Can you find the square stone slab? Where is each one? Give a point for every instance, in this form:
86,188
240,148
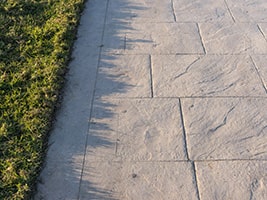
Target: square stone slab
260,63
200,11
140,11
153,38
124,76
138,181
233,38
210,75
224,128
140,130
150,130
232,180
248,11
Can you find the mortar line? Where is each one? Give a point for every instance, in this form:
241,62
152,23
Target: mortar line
201,39
173,11
178,22
258,72
92,100
184,54
195,179
230,12
151,76
124,45
186,97
183,128
232,160
182,161
118,131
261,32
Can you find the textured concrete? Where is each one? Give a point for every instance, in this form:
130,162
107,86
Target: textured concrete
233,38
237,130
210,75
232,180
163,100
124,76
200,11
139,180
140,11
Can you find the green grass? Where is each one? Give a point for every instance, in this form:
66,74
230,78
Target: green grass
35,42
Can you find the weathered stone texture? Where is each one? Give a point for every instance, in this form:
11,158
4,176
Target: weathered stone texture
248,11
189,76
123,76
233,38
153,38
232,180
135,180
201,11
139,130
223,128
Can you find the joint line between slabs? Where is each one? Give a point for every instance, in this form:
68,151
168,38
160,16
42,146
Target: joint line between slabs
125,40
182,54
195,179
261,32
92,100
232,160
151,77
258,72
230,12
173,12
201,39
186,97
183,128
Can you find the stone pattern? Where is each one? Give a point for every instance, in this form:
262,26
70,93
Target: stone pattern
232,179
204,76
164,100
139,180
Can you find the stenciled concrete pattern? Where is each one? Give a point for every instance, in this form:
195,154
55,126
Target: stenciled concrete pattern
163,100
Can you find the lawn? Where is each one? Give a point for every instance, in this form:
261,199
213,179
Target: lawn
35,43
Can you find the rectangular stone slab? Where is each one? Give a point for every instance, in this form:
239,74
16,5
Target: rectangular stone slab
226,128
232,38
248,11
136,181
232,180
124,76
200,11
150,130
140,11
136,129
152,38
211,75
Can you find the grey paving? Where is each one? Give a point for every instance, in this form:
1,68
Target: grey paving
200,11
232,179
123,76
237,130
248,11
163,100
139,180
233,38
209,75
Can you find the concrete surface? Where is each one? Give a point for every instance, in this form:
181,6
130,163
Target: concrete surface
163,100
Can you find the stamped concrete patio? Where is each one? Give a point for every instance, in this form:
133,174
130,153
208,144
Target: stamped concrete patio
164,100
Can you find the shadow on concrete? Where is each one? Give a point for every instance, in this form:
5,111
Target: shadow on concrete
60,178
117,25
